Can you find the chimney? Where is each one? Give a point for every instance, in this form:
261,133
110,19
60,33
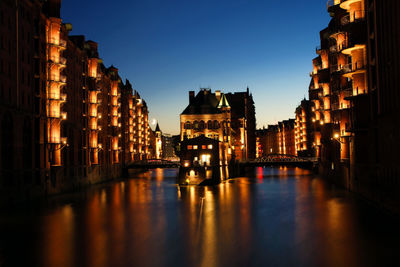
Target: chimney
218,94
191,97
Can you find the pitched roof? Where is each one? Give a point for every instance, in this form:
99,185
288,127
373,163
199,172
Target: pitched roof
205,102
158,128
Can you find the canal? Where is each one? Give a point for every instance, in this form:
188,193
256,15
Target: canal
276,217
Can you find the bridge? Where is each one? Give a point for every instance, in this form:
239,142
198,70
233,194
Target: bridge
282,160
153,164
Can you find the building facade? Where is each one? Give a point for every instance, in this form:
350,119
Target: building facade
304,139
209,114
229,118
60,107
354,98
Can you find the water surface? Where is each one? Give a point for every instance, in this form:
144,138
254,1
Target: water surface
276,217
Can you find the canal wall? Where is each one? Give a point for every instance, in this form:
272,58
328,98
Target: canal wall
376,185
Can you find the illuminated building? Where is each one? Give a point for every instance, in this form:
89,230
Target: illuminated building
208,114
243,123
277,139
355,100
286,137
61,111
158,142
339,74
168,149
229,118
200,159
303,130
261,142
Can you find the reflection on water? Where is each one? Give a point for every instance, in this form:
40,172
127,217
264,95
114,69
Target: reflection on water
278,217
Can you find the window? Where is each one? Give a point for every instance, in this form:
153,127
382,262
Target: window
201,125
187,125
210,146
209,125
216,125
189,147
195,147
203,147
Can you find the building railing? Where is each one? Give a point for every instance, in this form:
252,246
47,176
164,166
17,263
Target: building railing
354,17
347,68
60,78
53,96
54,139
59,60
58,42
347,92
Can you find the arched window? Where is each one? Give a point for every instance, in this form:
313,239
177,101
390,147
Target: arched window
216,125
187,125
196,125
202,125
209,125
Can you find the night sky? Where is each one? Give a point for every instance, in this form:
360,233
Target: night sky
168,47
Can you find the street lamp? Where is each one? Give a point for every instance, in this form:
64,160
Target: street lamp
336,137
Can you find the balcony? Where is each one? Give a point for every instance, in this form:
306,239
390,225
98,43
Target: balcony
354,17
58,79
58,42
346,4
54,139
353,68
348,92
53,96
62,61
93,126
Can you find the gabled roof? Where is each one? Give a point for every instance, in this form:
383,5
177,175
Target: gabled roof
158,128
205,102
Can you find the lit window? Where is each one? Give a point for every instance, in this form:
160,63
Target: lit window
189,147
195,147
210,146
203,147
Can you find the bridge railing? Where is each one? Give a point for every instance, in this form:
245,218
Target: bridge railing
285,159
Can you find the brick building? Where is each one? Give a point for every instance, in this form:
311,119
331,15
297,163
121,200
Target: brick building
60,107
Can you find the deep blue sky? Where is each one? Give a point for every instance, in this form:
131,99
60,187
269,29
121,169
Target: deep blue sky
168,47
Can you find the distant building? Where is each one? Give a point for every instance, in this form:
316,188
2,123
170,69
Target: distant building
213,115
158,142
168,150
286,137
304,138
243,123
277,139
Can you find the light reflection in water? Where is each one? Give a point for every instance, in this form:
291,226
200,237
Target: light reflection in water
281,216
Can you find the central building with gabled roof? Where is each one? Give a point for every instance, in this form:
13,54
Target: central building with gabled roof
209,114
